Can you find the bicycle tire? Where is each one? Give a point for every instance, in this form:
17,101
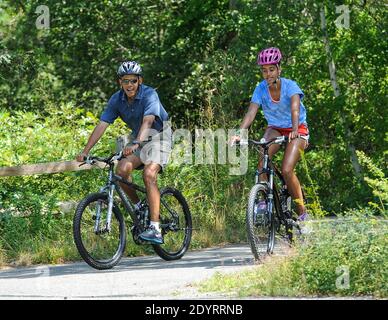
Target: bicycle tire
80,241
183,230
263,244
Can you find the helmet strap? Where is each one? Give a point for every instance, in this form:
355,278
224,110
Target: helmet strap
275,83
278,77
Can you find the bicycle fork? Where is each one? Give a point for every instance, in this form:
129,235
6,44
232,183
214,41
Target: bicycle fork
270,195
107,227
269,185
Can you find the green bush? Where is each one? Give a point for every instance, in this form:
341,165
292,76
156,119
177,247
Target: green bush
378,182
357,245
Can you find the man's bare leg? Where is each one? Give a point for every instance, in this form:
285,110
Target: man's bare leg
124,170
150,176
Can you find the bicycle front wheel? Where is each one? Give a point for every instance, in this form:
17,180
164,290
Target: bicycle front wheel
99,247
260,227
175,223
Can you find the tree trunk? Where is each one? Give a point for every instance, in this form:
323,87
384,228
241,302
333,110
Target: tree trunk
337,92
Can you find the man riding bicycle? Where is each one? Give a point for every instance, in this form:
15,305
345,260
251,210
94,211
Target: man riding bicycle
139,107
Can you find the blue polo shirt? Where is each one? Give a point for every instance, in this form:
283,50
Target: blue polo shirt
278,113
146,103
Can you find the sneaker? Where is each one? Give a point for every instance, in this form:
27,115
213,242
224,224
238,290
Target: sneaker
152,235
304,217
303,222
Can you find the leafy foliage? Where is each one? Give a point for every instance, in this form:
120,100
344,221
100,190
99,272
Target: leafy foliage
378,182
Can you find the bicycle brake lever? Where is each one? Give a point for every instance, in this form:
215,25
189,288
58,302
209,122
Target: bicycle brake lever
243,142
118,156
280,139
89,161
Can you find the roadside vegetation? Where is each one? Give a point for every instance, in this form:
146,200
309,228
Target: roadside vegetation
342,257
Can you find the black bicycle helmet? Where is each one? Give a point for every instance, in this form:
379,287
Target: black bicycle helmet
129,67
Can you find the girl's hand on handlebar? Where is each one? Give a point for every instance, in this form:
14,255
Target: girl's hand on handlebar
293,134
234,139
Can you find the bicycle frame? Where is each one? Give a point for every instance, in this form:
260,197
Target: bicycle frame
111,186
273,195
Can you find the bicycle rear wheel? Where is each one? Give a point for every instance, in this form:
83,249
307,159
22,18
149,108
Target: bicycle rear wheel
175,223
101,249
260,228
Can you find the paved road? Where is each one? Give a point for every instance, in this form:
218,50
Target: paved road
134,278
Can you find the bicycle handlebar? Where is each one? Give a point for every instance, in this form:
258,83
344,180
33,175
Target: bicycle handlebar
116,156
264,143
93,159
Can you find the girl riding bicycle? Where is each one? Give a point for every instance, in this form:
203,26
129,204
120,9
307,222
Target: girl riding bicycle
285,113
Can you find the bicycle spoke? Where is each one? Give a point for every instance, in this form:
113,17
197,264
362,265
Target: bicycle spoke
172,219
175,222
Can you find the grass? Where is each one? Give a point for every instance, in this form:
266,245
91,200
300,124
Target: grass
262,280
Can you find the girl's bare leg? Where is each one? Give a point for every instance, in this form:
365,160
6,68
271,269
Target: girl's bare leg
291,157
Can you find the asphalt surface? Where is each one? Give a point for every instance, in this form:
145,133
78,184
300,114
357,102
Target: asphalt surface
147,277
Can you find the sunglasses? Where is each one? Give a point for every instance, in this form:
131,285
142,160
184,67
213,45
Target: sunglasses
128,81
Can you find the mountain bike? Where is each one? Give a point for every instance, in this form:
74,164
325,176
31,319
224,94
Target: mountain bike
99,228
278,218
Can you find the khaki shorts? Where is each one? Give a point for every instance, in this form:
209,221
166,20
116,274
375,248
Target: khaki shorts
157,150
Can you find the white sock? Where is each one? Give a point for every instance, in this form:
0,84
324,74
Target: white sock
156,225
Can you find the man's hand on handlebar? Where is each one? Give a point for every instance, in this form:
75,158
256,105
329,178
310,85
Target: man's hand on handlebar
81,157
130,149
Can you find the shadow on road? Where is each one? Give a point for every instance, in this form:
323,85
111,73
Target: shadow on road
228,256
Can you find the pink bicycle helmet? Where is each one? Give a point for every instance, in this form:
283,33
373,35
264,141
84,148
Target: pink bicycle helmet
269,56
